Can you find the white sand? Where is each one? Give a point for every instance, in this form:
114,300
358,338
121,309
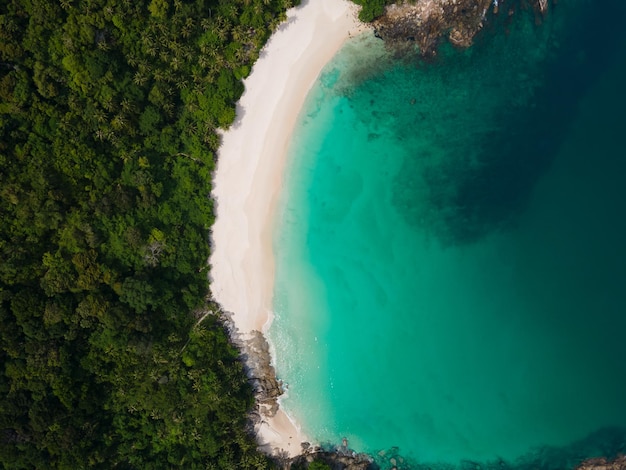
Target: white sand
250,169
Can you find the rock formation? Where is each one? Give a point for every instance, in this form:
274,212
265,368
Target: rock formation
255,354
262,374
603,464
337,459
423,23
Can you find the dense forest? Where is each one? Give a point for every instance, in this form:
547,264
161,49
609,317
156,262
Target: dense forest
108,114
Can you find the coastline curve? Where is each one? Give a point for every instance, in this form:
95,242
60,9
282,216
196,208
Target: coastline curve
249,174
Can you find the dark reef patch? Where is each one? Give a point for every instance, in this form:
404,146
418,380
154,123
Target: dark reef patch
484,173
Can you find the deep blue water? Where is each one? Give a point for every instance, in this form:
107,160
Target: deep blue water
451,256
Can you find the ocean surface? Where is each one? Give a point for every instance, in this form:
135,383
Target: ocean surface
451,248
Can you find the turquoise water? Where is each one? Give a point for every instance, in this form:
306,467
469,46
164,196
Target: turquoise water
451,265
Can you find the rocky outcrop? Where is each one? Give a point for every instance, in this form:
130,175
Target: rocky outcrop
423,23
603,464
262,374
340,458
255,354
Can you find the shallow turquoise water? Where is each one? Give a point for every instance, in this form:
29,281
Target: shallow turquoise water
451,265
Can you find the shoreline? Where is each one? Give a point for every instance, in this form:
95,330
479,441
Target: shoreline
249,175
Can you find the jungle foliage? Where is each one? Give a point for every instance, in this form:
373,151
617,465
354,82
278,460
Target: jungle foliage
371,9
108,118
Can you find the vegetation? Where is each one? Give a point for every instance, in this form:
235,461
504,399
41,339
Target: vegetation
108,112
371,9
317,465
303,464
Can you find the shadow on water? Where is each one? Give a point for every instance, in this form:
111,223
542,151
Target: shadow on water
607,442
469,200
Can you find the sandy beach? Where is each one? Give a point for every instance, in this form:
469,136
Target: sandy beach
248,178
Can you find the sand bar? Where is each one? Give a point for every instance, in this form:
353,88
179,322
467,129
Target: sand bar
250,170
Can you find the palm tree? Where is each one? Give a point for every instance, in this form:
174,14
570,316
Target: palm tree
159,75
221,31
188,28
127,105
176,48
203,61
147,40
168,108
108,104
240,55
131,59
118,122
139,78
239,33
100,116
192,129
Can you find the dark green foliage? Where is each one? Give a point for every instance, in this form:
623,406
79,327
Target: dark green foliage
108,111
371,9
318,465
